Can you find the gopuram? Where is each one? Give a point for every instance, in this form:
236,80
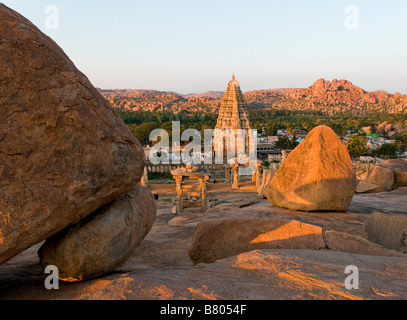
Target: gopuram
233,137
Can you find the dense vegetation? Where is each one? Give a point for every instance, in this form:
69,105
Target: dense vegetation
265,121
141,123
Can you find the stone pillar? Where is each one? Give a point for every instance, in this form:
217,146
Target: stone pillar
204,185
235,177
284,156
180,194
144,178
227,174
257,177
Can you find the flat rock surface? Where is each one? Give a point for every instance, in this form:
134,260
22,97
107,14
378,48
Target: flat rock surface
161,269
388,202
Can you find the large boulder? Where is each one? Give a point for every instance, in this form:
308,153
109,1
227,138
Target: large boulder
103,240
215,239
378,179
362,172
381,176
399,128
381,129
388,128
64,152
366,187
268,175
341,241
317,175
387,230
399,168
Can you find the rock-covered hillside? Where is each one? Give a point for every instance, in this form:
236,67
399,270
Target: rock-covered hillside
342,95
324,95
158,100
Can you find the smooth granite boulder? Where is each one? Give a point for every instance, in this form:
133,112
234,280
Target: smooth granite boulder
64,152
102,241
316,176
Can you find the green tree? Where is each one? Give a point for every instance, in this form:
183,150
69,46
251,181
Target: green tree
339,129
402,138
271,128
373,129
142,132
290,129
285,143
357,146
401,141
308,125
257,126
387,150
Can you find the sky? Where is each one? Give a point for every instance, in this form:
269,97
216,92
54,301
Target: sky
190,46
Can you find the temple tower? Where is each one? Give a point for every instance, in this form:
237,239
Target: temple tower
233,119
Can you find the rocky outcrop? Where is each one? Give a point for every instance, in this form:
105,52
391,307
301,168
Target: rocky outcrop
399,168
385,176
341,241
160,268
399,128
215,239
376,179
387,230
64,152
324,95
366,187
316,176
268,175
340,95
102,241
381,176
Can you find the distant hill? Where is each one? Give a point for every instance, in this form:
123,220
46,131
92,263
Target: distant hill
341,95
209,94
324,95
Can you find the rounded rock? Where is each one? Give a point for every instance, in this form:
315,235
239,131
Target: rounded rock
64,151
316,176
102,241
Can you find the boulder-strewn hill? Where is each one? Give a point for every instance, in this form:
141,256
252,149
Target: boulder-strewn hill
326,96
158,100
342,95
208,94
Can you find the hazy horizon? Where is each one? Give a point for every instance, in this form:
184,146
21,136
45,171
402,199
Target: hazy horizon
244,91
195,47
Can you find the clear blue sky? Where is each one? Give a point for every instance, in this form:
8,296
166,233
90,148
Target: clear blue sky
195,46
